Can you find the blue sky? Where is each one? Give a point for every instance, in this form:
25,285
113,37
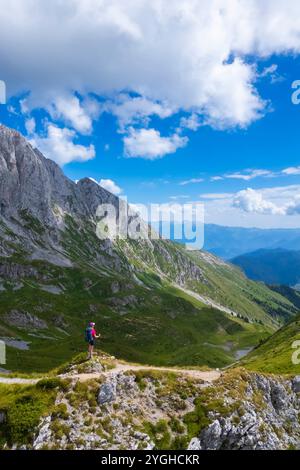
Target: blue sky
233,143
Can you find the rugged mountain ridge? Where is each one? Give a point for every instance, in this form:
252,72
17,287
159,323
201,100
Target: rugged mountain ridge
154,301
231,242
31,181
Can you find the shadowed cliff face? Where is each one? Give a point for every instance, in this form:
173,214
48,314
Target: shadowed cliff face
41,205
30,181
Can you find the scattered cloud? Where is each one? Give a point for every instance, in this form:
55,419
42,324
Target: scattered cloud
248,175
272,72
191,122
191,181
216,178
180,196
294,207
30,125
250,200
291,171
215,196
73,113
110,186
59,145
149,144
270,207
274,201
137,110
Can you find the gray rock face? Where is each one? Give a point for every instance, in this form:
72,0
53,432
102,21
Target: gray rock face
194,444
115,287
118,385
43,435
30,181
15,271
35,199
296,384
25,320
107,393
270,419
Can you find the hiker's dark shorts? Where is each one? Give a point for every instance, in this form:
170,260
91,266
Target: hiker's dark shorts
92,342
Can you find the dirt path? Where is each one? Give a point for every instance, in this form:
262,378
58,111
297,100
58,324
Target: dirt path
12,381
207,376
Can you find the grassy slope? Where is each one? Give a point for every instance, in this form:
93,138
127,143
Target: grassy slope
275,354
164,326
291,294
230,287
24,406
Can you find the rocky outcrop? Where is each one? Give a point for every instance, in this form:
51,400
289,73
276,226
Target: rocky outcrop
13,271
107,393
146,409
117,411
266,417
25,320
296,384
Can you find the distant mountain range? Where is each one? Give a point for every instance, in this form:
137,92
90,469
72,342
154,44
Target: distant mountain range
230,242
276,266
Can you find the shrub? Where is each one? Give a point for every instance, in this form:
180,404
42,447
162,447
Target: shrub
24,414
52,383
60,411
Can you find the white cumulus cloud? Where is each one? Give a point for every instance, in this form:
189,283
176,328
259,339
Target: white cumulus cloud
69,109
110,186
250,200
196,55
149,144
59,145
130,110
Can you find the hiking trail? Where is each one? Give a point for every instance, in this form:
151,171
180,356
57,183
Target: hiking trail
207,376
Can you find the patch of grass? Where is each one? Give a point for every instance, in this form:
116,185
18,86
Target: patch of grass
159,433
274,356
24,406
59,429
60,411
53,383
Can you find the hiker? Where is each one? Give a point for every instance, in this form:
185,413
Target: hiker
90,336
